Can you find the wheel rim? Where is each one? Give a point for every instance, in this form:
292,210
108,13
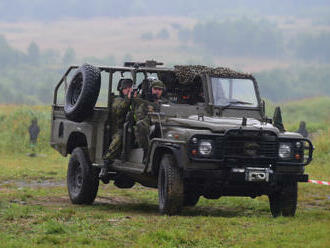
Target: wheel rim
77,177
76,89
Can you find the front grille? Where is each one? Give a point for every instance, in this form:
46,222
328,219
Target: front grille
250,145
238,146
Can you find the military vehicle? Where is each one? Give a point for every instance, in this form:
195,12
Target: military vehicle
212,138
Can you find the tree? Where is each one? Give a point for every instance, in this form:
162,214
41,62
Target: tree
34,53
69,56
163,34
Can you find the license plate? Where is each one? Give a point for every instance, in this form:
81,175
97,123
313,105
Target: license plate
257,174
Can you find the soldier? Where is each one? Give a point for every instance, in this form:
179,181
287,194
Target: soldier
142,127
34,131
120,107
302,129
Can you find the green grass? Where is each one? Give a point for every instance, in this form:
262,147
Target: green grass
41,217
314,111
15,121
35,210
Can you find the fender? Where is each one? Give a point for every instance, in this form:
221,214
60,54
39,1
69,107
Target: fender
160,146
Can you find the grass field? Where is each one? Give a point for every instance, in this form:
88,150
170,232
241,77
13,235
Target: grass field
35,210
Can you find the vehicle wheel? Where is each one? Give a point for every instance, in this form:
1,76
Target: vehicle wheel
190,199
290,195
284,202
82,178
82,93
275,204
170,186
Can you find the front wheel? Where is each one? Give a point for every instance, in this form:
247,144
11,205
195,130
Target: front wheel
284,201
82,178
170,186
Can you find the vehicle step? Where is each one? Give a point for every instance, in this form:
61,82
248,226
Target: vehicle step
129,167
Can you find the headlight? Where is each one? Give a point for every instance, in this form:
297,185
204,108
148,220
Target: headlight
176,136
205,148
284,151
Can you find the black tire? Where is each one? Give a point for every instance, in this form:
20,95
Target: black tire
190,199
284,202
82,93
170,186
82,178
275,204
290,196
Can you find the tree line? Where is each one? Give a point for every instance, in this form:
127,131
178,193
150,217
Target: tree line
250,38
29,78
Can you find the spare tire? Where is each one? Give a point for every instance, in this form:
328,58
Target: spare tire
82,93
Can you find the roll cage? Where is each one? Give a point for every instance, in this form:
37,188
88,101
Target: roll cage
176,89
111,70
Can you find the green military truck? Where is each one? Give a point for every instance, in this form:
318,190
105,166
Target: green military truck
211,138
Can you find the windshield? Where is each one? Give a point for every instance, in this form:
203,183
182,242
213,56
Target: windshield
236,92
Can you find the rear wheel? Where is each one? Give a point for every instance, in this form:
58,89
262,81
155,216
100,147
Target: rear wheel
170,186
284,202
82,178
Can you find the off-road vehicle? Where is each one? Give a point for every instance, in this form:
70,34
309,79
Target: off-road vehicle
211,138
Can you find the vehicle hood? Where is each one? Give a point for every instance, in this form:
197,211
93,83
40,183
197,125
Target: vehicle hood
221,124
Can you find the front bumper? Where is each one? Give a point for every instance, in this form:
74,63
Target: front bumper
215,183
241,177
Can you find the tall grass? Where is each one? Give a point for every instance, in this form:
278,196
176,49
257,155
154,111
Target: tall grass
15,121
314,111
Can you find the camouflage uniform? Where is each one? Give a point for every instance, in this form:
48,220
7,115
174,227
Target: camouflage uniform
141,109
142,126
120,107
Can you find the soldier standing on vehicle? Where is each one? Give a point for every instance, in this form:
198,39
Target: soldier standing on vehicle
120,107
142,127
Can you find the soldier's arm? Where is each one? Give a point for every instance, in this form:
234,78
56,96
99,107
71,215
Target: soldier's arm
120,105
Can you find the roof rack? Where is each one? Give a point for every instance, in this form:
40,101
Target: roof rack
148,63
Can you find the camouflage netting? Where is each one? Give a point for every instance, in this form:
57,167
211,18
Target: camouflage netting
186,74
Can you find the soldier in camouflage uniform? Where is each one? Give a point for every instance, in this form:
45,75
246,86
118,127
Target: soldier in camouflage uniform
141,109
120,107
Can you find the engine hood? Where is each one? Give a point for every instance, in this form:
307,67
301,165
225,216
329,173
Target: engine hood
221,124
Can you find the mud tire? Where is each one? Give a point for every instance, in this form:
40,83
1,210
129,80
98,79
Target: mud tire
284,202
82,178
290,196
82,93
170,186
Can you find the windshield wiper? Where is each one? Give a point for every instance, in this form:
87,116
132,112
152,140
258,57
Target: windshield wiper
239,102
230,103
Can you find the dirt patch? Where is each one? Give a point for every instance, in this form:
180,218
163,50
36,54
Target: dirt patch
114,200
33,184
65,200
50,201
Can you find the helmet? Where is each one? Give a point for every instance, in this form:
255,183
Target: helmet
157,84
124,83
